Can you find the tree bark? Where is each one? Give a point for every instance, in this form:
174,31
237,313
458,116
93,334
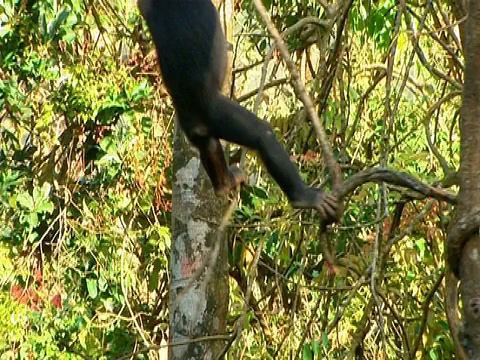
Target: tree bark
199,281
199,254
464,245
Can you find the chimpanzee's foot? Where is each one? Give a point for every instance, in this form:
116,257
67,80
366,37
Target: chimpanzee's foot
236,177
326,204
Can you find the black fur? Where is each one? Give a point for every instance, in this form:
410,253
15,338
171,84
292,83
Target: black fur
192,53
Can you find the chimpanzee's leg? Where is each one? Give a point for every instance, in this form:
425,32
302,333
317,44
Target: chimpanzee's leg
211,152
223,178
232,122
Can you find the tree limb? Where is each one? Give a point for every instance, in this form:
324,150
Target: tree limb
398,178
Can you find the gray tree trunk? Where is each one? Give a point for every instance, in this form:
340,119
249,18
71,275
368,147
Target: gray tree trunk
199,254
199,282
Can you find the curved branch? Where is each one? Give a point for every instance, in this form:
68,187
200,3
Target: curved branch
325,24
396,178
462,226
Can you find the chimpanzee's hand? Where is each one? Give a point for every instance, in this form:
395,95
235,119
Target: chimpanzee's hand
326,204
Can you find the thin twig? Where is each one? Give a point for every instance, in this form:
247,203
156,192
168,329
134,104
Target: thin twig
333,168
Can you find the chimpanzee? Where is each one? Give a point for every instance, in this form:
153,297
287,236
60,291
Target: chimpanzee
192,53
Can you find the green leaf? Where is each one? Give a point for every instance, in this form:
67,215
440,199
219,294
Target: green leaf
46,189
55,25
5,30
109,304
46,207
87,214
25,200
92,288
307,352
102,284
153,280
108,145
110,111
325,341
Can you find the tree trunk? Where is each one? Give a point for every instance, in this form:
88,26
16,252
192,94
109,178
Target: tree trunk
464,250
199,255
199,282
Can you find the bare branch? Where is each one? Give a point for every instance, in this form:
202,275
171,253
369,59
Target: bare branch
398,178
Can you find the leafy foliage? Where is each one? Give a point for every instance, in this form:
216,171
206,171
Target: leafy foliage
84,200
85,197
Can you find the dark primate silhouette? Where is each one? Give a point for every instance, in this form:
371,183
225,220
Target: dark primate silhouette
192,53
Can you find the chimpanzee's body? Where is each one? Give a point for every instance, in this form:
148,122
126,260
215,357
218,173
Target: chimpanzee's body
192,53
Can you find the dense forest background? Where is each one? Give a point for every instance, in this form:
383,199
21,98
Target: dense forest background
86,131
